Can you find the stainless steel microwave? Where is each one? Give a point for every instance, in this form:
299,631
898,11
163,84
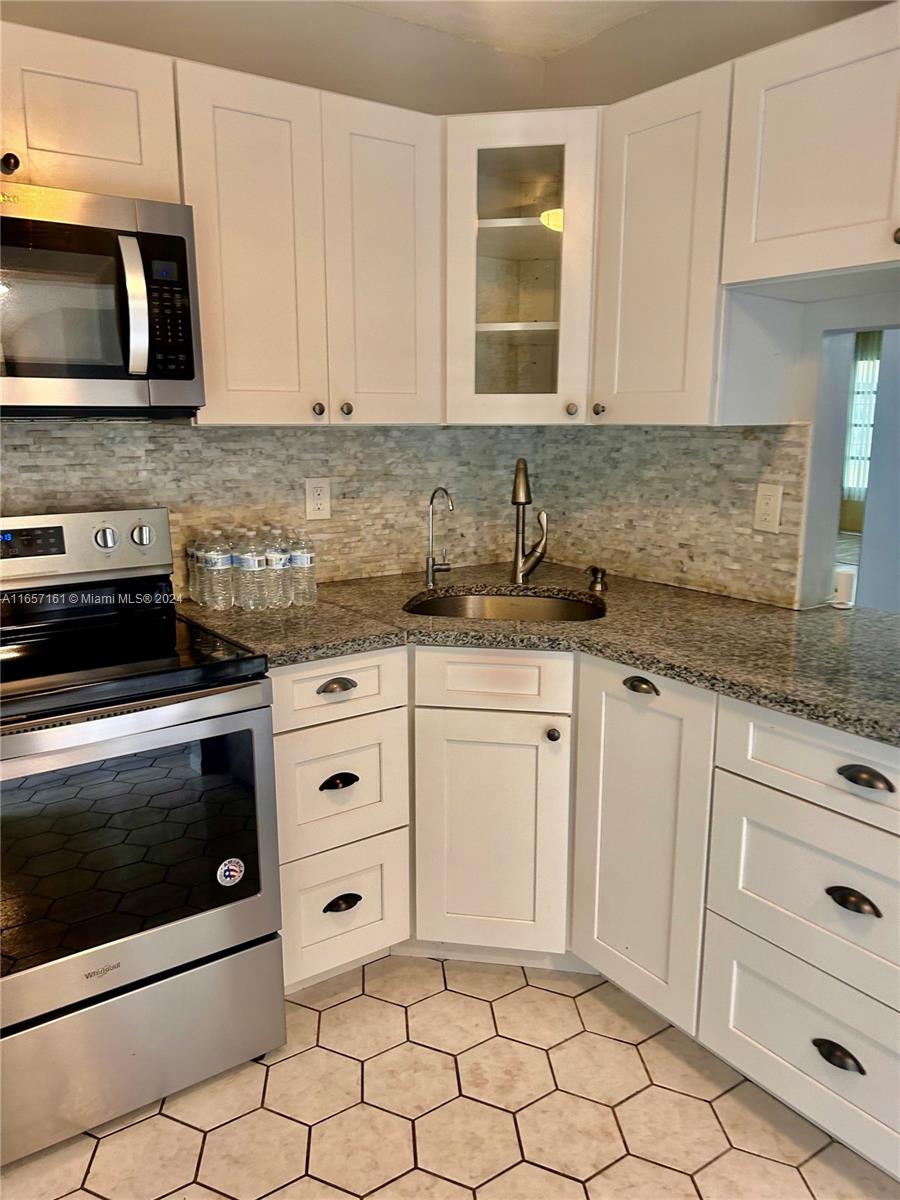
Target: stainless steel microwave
98,305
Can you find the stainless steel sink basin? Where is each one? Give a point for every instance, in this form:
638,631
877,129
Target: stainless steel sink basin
507,605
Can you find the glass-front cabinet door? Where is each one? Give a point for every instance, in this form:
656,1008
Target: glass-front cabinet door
520,201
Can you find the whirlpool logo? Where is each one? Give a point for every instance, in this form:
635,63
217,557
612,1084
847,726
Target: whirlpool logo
99,972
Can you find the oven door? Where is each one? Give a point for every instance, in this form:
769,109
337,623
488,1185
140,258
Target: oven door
129,851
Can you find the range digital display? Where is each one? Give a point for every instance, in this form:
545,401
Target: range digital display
35,542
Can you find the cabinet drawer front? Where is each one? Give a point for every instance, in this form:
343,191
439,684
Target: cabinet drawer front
341,782
343,904
761,1010
337,687
494,679
804,758
771,861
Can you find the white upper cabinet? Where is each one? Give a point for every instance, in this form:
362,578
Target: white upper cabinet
813,180
644,771
520,222
383,231
661,197
89,116
252,165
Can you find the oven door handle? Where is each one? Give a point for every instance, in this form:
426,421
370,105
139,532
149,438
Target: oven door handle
138,307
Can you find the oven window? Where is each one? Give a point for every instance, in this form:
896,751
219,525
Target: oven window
106,849
60,308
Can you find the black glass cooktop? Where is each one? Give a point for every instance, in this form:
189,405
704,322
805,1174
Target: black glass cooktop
87,646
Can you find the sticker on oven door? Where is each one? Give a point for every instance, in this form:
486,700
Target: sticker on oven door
230,872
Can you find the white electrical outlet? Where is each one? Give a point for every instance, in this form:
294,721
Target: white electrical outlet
318,499
767,513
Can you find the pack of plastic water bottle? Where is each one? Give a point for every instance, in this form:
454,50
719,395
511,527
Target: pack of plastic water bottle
251,568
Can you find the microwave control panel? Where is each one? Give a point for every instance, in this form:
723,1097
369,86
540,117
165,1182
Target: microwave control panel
168,297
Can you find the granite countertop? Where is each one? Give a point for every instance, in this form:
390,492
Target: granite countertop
841,668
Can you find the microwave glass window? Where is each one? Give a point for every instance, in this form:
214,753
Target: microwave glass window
59,307
111,847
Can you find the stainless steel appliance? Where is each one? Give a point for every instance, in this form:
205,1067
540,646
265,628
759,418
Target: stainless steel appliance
139,939
98,299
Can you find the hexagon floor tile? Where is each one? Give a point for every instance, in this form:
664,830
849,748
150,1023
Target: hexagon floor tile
671,1129
505,1073
538,1017
467,1142
357,1103
570,1134
361,1149
410,1080
403,980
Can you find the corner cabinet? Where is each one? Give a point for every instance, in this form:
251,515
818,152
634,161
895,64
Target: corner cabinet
813,179
88,116
659,234
252,165
383,232
520,236
644,777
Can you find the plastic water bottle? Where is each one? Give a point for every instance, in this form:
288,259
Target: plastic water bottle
303,570
217,559
199,574
278,570
190,555
250,572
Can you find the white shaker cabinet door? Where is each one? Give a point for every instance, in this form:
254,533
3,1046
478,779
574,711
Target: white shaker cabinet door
492,818
383,184
644,768
661,203
814,171
89,116
252,163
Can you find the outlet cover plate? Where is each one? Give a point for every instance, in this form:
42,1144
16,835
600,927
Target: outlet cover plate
767,512
318,499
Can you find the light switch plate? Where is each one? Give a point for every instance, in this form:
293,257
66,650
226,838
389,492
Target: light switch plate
318,499
767,513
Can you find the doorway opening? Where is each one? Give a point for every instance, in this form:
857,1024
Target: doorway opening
857,458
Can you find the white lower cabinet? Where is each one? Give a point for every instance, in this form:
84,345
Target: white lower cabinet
813,1040
644,765
492,823
343,904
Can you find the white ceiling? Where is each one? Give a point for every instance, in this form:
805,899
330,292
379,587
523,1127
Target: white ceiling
535,28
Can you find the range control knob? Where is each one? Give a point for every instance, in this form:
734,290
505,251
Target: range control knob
143,535
106,538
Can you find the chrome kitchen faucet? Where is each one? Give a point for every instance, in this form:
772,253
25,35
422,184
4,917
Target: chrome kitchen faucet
430,565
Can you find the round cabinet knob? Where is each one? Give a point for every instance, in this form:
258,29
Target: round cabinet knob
143,535
106,538
598,409
10,163
319,409
571,409
896,231
553,735
347,408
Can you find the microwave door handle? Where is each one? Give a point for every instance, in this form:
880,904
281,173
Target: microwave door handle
138,308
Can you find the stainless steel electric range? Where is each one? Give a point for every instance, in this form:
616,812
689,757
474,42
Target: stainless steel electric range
140,911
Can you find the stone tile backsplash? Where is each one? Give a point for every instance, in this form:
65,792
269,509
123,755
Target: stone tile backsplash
670,504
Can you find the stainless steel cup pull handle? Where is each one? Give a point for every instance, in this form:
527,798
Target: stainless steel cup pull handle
637,683
340,683
336,783
866,777
138,307
342,903
837,1056
853,901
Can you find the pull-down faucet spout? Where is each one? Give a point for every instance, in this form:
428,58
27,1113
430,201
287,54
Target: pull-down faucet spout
524,563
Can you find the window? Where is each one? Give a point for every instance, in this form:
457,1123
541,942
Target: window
863,388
